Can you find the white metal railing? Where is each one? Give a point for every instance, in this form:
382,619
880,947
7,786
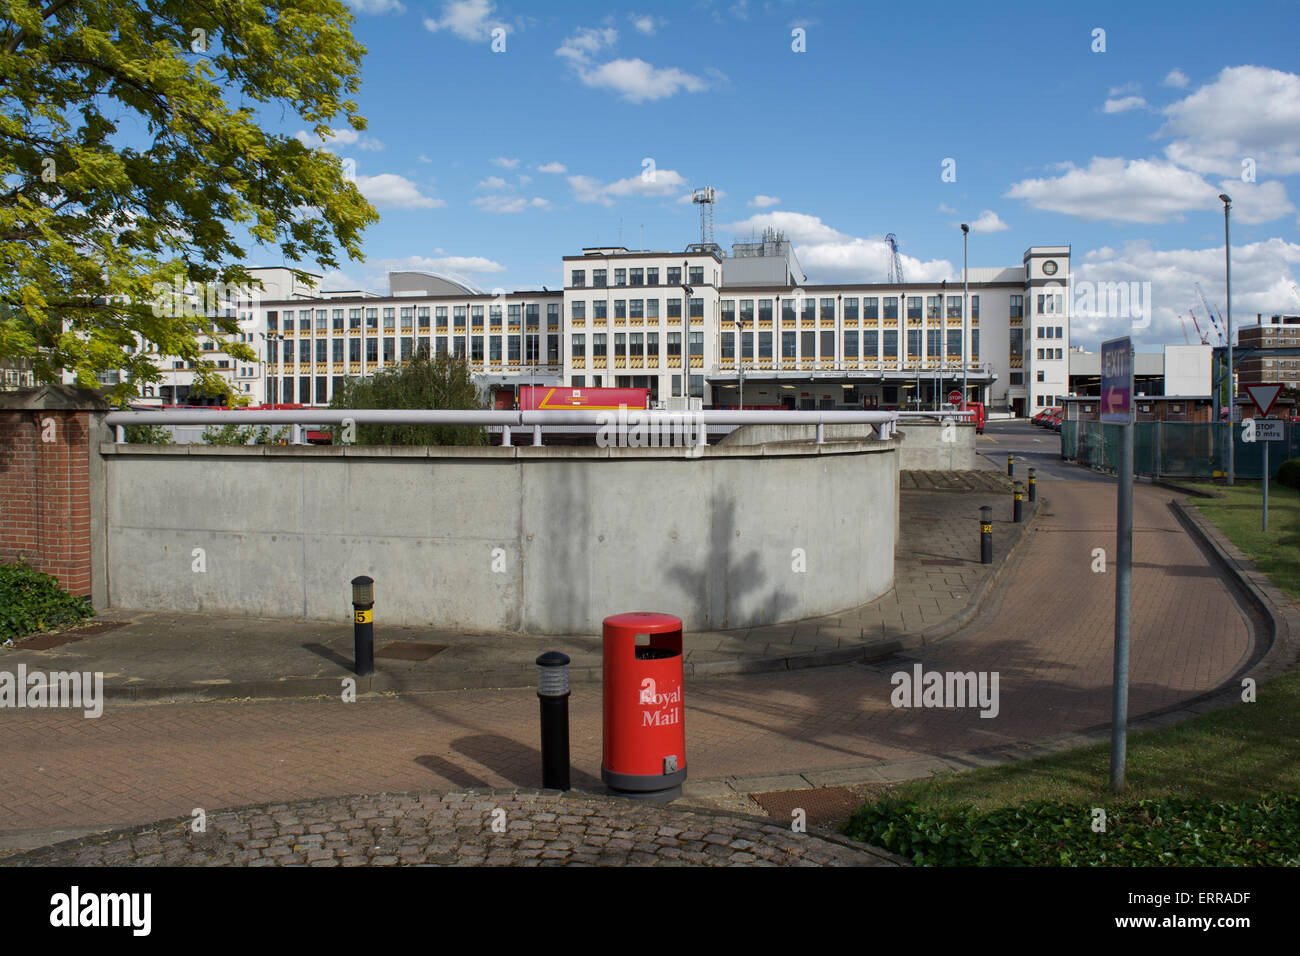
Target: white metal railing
884,421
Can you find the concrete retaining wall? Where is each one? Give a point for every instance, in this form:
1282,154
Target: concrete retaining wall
527,540
922,446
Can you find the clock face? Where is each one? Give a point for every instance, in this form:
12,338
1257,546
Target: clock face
1049,268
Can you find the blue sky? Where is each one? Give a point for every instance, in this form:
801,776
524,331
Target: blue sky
490,165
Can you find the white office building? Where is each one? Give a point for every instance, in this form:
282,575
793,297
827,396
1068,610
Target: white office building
629,318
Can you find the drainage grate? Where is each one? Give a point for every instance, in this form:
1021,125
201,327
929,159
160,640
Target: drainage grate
409,650
824,806
45,641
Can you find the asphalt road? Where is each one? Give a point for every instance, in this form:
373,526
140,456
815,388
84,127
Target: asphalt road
1034,447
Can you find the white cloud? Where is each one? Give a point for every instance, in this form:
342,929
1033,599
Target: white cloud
644,23
1176,78
510,204
376,6
1132,87
1124,104
338,137
633,79
1139,190
1246,112
524,180
505,163
471,264
468,19
389,189
557,168
1259,272
988,221
943,207
1254,203
585,43
686,199
637,81
492,182
664,182
797,226
762,202
424,159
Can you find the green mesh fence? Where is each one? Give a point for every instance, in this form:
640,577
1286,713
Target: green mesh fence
1175,449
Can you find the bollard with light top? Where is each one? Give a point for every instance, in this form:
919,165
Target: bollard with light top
1011,465
553,695
1017,501
1033,486
363,625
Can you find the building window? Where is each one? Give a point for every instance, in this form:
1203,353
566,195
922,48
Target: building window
828,345
620,277
638,276
620,308
598,278
674,275
808,344
891,307
787,345
1039,377
871,307
1017,306
636,308
869,344
620,344
890,343
747,311
728,312
578,346
390,352
954,307
828,310
850,345
697,275
728,345
697,342
637,349
697,308
652,345
598,310
652,309
440,313
933,342
512,348
423,315
765,345
458,316
674,343
652,276
1017,378
598,344
476,317
578,310
954,344
674,308
974,307
579,278
914,307
914,342
1060,330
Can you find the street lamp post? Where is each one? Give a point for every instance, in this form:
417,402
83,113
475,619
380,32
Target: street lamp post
965,234
1232,391
687,291
740,348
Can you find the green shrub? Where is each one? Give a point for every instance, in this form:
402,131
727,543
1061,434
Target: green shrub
1166,832
1288,473
31,601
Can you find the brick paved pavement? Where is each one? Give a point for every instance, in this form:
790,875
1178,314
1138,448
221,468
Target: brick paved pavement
1048,636
463,829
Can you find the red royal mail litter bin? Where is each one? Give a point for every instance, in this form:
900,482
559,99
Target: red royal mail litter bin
644,752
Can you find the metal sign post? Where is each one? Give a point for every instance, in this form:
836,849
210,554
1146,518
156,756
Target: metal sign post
1117,408
1264,395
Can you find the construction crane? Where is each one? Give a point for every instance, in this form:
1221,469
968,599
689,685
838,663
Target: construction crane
1210,312
1187,339
895,261
1203,336
1295,290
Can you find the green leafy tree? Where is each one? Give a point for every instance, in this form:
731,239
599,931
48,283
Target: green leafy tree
130,151
233,434
437,383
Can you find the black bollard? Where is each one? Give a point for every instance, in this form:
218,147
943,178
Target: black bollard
1011,465
1033,486
1017,502
986,535
363,625
553,693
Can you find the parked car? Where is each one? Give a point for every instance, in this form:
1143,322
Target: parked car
1054,421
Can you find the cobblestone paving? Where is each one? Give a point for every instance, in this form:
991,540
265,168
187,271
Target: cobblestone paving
485,828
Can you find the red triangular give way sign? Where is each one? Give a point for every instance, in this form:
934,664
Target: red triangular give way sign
1264,396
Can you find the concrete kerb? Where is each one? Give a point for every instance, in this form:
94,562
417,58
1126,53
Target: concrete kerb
1281,654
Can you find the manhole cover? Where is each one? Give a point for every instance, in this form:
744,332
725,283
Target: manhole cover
824,806
945,562
45,641
409,650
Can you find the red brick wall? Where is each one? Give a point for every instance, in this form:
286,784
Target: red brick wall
45,493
